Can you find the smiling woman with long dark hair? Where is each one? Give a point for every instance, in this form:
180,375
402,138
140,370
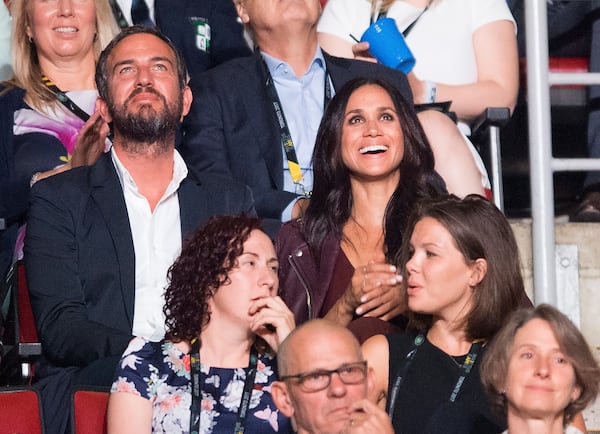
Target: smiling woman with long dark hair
372,162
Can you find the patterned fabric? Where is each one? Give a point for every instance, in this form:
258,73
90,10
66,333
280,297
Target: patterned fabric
160,372
60,123
44,141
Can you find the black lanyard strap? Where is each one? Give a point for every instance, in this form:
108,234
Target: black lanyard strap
466,368
286,136
411,25
65,100
403,370
118,14
195,366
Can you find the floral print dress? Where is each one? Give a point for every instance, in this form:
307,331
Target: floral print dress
160,372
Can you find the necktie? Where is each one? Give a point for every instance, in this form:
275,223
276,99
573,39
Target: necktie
140,14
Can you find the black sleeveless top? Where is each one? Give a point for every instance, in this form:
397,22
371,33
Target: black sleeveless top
423,403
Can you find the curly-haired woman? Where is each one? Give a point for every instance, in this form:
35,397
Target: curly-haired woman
224,322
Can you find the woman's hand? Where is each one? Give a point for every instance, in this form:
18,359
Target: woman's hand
272,320
90,141
361,52
373,291
377,287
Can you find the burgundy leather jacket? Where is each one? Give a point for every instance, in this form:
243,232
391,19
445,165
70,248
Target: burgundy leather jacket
303,284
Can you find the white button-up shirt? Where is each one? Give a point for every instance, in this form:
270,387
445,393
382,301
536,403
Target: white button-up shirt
157,243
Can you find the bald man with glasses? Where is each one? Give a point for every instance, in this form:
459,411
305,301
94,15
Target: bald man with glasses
324,382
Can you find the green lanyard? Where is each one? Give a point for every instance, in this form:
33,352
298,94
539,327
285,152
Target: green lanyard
465,370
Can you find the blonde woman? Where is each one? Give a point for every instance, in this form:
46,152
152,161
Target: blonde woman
41,119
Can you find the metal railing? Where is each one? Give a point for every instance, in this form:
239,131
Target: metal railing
542,163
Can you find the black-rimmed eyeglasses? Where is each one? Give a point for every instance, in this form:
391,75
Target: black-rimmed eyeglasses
313,381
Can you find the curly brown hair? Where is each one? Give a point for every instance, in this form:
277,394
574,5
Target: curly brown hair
203,267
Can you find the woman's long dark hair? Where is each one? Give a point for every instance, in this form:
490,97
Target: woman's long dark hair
331,200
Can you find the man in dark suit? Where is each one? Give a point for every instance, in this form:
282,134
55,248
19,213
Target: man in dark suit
234,129
101,238
206,32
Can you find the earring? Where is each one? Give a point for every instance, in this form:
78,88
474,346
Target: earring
30,39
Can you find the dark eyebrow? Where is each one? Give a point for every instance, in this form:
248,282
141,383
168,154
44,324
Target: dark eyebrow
380,109
256,255
133,61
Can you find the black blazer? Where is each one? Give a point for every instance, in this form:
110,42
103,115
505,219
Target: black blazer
80,260
232,129
178,19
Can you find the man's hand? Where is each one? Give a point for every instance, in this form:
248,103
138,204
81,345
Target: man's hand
367,417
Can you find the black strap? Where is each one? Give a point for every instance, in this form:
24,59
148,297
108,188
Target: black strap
118,14
196,373
140,13
286,137
403,369
411,25
65,100
466,368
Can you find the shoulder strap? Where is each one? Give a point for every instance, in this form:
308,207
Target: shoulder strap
400,373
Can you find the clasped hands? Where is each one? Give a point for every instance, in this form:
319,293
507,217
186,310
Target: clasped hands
375,290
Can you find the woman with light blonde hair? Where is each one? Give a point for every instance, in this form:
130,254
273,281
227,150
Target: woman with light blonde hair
47,107
28,62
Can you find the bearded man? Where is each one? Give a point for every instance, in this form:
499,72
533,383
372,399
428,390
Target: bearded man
101,238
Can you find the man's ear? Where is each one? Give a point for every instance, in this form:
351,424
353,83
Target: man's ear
187,102
102,107
281,398
372,387
241,11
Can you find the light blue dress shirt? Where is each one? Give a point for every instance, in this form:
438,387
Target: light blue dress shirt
302,99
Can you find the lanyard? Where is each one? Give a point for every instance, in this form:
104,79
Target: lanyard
118,14
465,370
240,424
411,25
65,100
286,137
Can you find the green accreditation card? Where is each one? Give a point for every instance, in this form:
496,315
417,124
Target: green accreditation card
202,33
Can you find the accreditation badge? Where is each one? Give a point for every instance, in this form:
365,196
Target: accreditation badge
202,33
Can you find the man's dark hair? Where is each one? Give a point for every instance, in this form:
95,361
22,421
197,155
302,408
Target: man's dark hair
102,67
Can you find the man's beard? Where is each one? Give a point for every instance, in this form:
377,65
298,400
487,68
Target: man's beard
147,126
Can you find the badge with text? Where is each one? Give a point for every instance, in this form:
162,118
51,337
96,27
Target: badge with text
202,33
